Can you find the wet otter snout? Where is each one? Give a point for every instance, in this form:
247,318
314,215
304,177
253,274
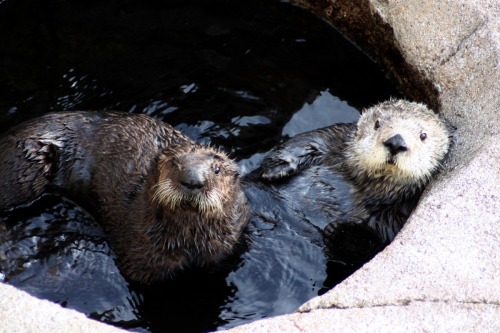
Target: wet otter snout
396,144
202,180
192,173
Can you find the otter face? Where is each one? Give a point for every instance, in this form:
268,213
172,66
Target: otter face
400,139
196,178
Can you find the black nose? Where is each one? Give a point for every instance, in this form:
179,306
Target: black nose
396,144
192,180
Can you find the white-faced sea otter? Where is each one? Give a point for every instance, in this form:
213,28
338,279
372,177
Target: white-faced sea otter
358,181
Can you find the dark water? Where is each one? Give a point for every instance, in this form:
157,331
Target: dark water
243,75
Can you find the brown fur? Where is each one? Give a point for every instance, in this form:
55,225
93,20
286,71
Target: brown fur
118,165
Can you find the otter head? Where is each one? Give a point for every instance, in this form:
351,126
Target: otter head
198,179
400,140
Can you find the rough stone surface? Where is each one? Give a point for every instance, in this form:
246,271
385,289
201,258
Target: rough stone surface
20,312
442,271
414,317
412,20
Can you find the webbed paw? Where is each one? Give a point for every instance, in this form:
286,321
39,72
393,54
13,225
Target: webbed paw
278,168
289,159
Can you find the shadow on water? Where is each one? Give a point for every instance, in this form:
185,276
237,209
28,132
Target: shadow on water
243,75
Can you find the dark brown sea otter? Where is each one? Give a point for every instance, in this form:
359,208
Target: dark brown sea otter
165,202
360,180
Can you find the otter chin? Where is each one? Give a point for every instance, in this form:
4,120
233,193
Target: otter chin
165,202
369,175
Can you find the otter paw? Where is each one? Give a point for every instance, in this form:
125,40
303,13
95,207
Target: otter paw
351,241
287,160
275,169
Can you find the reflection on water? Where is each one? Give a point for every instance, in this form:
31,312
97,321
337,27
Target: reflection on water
325,110
56,251
243,75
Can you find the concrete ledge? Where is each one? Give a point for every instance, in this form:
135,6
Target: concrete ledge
20,312
413,317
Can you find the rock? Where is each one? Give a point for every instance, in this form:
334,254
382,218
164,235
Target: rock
20,312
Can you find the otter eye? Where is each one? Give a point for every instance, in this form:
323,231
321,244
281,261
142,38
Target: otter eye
377,124
423,136
216,169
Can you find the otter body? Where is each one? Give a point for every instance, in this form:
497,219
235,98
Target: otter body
359,181
164,201
167,203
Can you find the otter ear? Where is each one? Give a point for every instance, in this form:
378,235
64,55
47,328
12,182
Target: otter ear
236,176
377,115
166,153
162,158
449,126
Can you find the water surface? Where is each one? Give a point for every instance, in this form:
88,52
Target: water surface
241,74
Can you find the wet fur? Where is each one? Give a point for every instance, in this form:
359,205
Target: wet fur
384,189
117,166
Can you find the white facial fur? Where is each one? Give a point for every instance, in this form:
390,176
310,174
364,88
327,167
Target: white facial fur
425,136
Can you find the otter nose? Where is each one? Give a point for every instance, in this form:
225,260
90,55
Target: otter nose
396,144
192,180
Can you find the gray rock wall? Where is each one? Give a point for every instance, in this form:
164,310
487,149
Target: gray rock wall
442,271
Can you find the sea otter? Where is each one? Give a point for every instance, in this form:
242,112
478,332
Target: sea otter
164,201
358,181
